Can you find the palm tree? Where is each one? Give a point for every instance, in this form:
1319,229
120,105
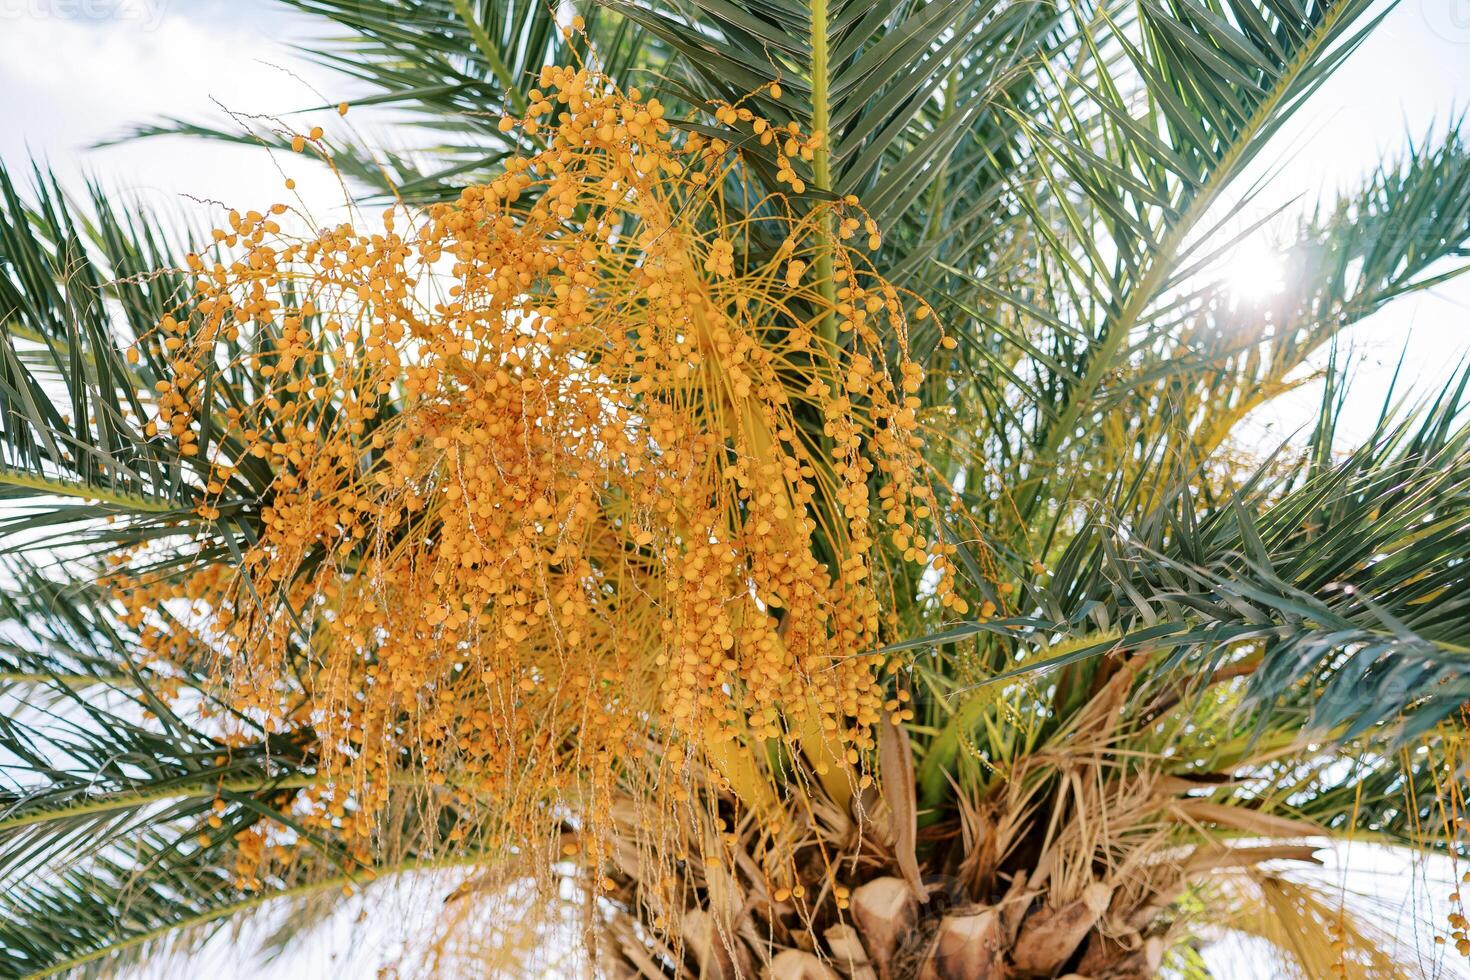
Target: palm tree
1183,664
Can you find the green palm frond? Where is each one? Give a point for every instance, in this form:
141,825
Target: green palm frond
1334,592
119,815
70,411
79,458
1213,358
1140,128
378,172
894,87
119,836
109,826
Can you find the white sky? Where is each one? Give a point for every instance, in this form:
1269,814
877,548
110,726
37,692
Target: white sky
73,72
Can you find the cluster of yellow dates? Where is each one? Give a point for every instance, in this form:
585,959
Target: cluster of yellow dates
567,476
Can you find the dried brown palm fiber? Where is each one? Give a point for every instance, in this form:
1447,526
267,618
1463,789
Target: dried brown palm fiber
885,911
849,953
1049,936
968,945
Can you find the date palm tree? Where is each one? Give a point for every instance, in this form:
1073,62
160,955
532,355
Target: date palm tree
1175,667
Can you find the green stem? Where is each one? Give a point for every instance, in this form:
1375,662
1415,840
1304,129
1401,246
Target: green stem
492,54
822,164
939,759
127,501
936,192
67,680
181,791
